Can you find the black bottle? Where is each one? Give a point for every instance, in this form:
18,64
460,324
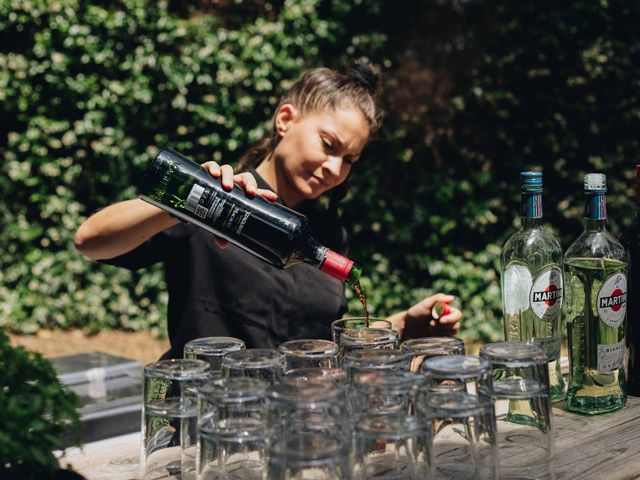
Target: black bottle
270,231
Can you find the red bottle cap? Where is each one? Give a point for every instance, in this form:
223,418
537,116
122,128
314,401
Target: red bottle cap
337,266
440,309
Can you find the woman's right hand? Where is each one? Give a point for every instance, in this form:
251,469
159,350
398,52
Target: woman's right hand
245,180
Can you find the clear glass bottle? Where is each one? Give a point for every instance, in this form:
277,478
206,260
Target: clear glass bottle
532,289
631,240
270,231
595,269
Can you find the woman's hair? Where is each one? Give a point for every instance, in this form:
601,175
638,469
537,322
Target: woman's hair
320,90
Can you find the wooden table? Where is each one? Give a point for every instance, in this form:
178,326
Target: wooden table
601,447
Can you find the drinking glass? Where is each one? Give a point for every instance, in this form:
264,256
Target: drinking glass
169,417
309,354
232,449
390,447
332,376
360,361
520,392
308,455
457,373
232,397
355,323
222,405
212,349
422,349
367,339
335,375
296,405
463,437
264,363
378,392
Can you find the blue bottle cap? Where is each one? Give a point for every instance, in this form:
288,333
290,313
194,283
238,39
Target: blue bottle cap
531,181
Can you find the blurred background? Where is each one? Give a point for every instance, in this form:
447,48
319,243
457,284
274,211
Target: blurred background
474,91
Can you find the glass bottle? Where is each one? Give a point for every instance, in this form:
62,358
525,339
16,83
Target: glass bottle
595,268
532,289
270,231
632,241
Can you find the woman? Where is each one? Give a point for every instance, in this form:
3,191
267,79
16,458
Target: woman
319,130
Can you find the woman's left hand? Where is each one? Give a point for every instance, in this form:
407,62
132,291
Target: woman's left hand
418,321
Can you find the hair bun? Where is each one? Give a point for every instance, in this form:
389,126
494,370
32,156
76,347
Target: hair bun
362,75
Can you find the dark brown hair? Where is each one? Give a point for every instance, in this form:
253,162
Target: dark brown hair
319,90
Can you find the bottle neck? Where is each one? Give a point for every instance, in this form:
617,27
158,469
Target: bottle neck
330,262
595,211
531,209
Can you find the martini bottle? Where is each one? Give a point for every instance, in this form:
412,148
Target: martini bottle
531,271
270,231
595,268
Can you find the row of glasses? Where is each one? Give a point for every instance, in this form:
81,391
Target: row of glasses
383,402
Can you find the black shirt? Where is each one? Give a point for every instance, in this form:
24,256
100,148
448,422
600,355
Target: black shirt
229,292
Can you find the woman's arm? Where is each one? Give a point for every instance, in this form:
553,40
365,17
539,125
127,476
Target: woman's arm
121,227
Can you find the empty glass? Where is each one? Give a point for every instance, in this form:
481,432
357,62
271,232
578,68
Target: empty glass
381,392
212,349
309,354
520,391
232,449
264,363
233,397
422,349
390,447
457,373
355,323
296,405
308,456
335,375
169,418
361,361
222,405
463,437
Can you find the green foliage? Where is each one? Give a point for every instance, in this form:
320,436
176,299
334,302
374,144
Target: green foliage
474,92
35,410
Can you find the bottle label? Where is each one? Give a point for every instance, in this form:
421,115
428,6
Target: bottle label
611,301
532,205
551,346
545,296
219,212
610,357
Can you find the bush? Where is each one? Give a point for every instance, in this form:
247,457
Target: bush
35,410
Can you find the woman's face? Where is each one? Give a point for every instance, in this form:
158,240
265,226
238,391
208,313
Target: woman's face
316,151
